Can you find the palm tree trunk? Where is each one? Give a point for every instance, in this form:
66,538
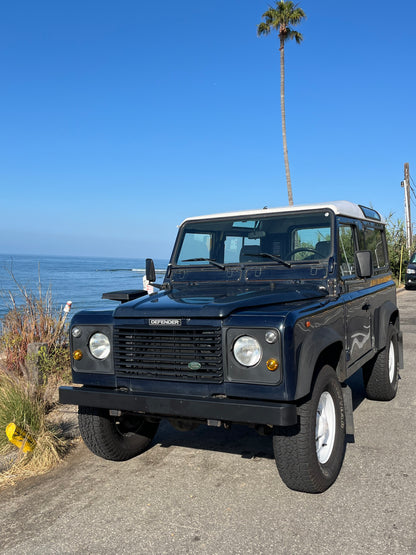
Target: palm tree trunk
282,107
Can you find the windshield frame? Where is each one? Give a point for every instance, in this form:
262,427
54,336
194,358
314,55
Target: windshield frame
213,225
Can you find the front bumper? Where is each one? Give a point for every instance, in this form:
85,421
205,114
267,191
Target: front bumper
241,411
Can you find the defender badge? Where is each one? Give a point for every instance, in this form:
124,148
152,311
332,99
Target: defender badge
165,322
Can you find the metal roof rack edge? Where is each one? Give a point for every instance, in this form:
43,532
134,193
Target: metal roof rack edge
339,207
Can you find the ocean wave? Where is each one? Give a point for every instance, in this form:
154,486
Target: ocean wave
114,270
144,270
141,270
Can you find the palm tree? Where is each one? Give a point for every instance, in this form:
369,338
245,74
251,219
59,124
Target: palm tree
280,19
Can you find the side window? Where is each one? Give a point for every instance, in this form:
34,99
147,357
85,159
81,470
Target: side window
346,250
372,239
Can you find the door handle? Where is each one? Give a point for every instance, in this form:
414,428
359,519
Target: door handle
366,306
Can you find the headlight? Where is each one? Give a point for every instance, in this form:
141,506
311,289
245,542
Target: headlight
99,346
411,271
247,351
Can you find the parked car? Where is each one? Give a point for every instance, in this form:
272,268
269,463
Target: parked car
410,279
261,318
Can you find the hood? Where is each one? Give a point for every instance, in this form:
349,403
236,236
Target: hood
215,302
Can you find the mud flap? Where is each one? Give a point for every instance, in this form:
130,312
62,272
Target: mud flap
400,344
348,409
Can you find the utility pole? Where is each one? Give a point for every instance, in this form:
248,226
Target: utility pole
406,185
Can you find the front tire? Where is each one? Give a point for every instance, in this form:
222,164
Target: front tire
309,455
381,373
115,438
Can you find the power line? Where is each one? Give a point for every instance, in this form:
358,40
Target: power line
413,200
412,190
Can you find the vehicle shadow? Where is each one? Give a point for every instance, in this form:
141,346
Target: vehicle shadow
239,440
356,384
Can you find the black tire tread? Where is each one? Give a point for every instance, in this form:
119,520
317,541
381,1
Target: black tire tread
100,435
376,373
294,447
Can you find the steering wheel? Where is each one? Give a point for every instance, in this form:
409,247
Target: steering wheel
303,249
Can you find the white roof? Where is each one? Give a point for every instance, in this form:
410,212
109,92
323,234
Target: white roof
339,207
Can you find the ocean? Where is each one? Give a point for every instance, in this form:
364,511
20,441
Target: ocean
81,280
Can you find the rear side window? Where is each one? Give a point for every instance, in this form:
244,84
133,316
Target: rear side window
373,239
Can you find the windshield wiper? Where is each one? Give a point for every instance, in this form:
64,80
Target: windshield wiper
213,262
275,258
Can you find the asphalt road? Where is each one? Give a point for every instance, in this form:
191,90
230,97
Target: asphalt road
217,491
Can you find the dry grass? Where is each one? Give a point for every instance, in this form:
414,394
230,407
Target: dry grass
18,405
25,398
50,450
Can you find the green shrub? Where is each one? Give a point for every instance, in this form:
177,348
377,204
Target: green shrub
55,360
19,405
396,240
27,396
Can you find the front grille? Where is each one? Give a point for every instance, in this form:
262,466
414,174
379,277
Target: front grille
169,354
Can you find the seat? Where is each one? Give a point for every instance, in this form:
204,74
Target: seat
324,248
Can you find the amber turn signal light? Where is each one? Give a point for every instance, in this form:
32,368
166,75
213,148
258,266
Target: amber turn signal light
272,364
77,355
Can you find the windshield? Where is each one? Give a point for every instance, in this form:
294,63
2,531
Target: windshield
285,239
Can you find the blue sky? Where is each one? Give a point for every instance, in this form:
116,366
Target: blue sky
120,119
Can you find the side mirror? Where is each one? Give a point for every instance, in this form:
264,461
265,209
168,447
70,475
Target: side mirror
364,264
150,270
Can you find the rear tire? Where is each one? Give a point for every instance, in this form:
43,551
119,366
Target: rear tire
115,438
381,373
309,455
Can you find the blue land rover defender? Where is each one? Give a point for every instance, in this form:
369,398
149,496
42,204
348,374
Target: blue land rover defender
261,318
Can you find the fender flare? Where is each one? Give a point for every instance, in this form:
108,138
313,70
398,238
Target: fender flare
311,349
382,318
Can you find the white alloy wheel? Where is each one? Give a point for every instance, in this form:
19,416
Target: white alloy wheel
309,455
392,362
325,427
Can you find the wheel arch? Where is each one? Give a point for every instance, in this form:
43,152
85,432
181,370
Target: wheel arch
386,314
323,347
